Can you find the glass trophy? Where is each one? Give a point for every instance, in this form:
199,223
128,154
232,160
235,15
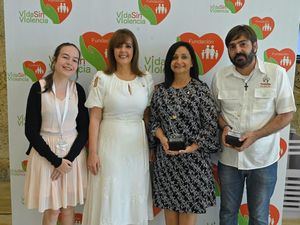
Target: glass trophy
176,142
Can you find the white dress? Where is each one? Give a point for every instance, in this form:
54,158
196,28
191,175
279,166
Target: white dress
121,192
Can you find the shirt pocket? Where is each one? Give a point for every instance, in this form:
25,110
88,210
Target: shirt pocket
264,99
230,100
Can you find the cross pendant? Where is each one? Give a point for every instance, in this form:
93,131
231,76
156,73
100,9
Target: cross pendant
246,86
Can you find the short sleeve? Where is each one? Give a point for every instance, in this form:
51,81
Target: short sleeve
150,86
97,91
285,99
215,92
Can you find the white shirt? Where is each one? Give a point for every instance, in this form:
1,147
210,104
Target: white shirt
247,109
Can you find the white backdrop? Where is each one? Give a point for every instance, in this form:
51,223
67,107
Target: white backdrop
34,28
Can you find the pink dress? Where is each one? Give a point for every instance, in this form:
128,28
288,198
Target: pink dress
69,190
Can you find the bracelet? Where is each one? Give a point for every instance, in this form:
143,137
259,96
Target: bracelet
226,125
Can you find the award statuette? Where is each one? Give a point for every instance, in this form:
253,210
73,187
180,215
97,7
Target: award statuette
176,139
176,142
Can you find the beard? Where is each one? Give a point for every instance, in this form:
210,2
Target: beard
242,60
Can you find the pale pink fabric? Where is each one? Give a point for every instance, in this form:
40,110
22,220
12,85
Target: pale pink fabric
40,191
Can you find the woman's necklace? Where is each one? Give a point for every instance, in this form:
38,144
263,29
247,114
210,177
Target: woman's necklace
178,96
181,83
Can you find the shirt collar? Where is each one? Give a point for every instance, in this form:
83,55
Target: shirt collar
259,67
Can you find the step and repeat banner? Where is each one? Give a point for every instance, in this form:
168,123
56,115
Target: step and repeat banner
33,29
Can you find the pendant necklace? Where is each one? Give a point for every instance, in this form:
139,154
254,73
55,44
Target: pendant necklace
246,81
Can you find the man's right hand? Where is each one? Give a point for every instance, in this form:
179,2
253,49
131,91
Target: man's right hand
224,134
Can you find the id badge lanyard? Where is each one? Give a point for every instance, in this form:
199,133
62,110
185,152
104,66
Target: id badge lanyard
61,119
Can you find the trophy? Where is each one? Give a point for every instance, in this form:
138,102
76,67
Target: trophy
176,142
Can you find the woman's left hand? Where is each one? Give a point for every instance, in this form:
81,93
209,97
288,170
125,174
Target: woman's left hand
189,149
55,174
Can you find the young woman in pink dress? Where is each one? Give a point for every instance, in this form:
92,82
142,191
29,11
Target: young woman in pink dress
57,130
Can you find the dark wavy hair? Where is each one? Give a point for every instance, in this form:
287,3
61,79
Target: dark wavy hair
120,37
238,31
169,74
49,77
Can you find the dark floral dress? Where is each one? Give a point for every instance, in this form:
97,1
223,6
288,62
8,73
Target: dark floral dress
184,183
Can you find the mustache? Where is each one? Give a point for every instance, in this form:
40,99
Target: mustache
240,54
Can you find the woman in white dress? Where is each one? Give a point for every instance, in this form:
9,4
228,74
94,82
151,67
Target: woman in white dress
57,129
119,190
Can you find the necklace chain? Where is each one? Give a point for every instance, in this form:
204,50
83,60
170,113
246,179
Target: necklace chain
246,81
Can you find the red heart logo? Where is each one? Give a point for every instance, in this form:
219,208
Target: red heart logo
94,48
285,57
57,10
283,147
216,179
77,218
34,70
273,214
209,49
243,216
234,5
155,11
24,165
262,27
156,210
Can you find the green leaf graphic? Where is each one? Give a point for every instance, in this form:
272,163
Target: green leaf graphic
257,30
29,73
92,55
217,190
230,6
270,60
242,220
265,56
201,70
50,12
148,13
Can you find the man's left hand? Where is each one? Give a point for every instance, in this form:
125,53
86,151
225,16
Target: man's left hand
248,138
